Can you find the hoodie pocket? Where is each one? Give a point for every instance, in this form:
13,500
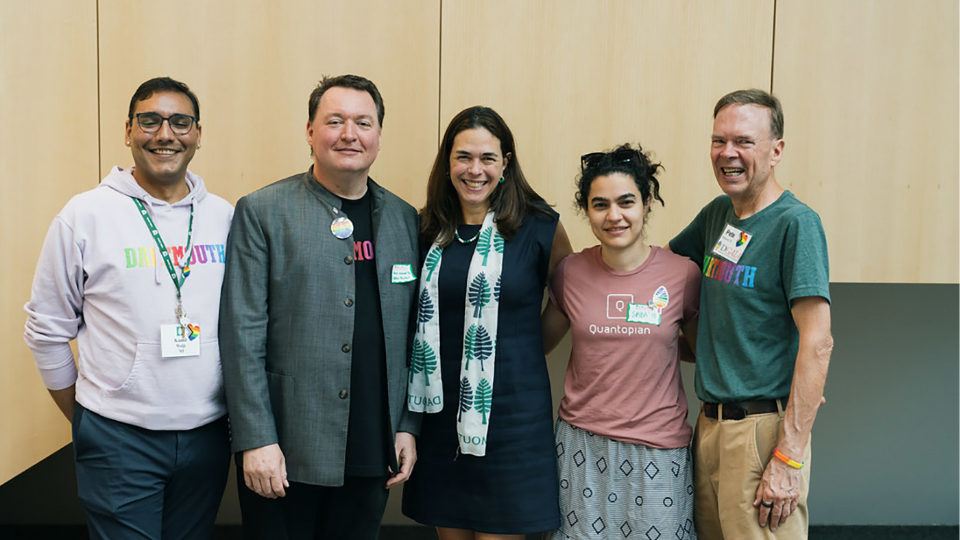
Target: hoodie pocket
146,352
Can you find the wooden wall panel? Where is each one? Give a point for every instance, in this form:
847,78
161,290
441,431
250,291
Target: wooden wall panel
581,76
253,64
870,92
48,153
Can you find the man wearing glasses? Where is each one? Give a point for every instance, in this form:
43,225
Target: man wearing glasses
132,269
764,340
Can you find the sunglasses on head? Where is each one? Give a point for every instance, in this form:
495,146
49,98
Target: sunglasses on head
621,155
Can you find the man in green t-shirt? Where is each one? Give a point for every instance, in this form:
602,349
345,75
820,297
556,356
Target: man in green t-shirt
764,340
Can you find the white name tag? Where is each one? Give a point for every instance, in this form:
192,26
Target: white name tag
402,273
176,340
643,313
732,243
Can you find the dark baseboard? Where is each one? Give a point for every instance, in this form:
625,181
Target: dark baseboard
232,532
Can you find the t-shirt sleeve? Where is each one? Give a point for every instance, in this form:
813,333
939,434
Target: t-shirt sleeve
805,265
689,242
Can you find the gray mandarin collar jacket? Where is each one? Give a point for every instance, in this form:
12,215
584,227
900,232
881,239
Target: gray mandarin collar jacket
286,333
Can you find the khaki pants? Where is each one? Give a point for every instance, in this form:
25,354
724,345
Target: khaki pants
729,458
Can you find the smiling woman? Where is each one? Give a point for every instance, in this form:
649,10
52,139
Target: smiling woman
623,401
488,245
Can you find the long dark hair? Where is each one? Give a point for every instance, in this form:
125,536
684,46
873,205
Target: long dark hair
510,201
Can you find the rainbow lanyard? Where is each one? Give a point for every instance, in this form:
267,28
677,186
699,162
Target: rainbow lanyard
177,279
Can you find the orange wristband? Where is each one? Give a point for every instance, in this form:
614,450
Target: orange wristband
785,459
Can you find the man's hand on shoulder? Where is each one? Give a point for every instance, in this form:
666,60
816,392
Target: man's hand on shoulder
778,494
265,471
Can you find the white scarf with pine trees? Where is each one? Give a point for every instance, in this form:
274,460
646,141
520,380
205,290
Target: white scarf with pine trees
425,391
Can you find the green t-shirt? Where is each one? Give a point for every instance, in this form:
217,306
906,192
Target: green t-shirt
747,341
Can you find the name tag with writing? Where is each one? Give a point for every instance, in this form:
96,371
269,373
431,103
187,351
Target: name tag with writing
179,340
402,273
732,243
643,314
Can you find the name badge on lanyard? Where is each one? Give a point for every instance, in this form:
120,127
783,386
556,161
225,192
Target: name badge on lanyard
183,338
732,243
177,340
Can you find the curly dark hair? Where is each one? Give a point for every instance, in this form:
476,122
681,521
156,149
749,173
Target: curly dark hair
625,159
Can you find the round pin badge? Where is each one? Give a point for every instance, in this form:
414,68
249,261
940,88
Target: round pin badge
342,227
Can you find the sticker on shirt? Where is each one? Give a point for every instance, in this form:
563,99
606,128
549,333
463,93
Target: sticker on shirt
402,273
732,243
660,298
179,340
643,314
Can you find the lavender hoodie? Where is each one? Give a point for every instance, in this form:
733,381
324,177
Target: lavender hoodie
101,280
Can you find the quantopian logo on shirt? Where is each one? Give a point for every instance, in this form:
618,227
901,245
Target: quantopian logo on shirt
618,329
617,307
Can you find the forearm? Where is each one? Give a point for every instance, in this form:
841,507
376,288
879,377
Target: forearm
809,378
65,400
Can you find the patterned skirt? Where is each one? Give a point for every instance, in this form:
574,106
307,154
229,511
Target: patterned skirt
613,489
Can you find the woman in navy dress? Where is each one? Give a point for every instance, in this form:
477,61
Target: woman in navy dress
486,466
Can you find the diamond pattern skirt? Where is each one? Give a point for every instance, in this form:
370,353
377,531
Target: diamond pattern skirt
613,489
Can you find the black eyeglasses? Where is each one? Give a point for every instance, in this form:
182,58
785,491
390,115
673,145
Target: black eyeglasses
622,155
181,124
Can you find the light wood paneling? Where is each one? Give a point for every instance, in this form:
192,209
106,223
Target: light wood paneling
253,64
48,153
870,92
580,76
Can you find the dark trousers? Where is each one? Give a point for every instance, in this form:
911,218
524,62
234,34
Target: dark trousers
136,483
307,512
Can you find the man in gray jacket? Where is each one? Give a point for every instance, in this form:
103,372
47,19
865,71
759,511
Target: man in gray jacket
316,306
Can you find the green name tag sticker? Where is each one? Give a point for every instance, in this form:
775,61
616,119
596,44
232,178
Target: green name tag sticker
643,314
402,273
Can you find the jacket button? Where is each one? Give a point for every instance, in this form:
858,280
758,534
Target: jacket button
345,348
343,394
348,302
348,259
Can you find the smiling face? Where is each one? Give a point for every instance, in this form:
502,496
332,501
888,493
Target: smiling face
161,158
344,134
743,151
476,166
616,212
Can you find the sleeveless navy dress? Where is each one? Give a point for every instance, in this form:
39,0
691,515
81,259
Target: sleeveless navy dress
513,488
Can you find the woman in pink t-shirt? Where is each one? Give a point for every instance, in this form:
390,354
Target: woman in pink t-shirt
622,436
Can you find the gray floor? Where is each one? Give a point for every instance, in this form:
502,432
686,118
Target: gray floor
850,532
